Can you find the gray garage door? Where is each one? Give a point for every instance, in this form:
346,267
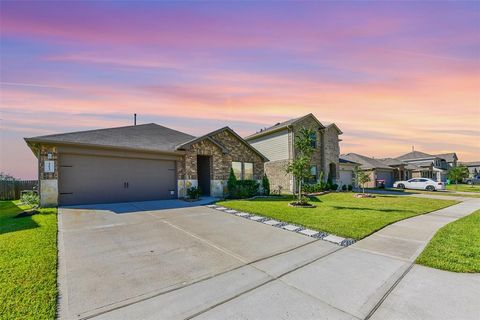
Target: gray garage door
87,179
387,176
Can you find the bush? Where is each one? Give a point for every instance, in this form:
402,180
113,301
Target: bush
194,192
266,185
231,184
31,199
243,189
350,187
334,187
344,187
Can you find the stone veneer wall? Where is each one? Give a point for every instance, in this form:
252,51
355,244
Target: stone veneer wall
220,162
331,149
279,179
48,180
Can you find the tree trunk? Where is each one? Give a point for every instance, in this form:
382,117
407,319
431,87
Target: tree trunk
299,189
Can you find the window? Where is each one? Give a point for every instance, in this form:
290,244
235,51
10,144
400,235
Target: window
313,140
243,171
237,169
313,172
247,171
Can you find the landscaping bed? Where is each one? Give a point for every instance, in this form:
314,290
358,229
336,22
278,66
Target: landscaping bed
28,262
455,247
341,213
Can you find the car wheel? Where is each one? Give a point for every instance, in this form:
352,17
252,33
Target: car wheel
430,188
401,186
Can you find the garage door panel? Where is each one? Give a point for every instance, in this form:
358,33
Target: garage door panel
387,176
87,179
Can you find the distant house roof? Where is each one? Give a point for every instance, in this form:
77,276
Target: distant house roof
449,157
149,137
285,124
391,162
415,155
366,163
471,163
341,160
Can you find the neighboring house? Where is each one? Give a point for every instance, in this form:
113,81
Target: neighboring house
136,163
347,172
400,170
429,166
277,144
473,168
379,172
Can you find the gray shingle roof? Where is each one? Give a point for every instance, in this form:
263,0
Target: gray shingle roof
449,157
471,163
366,163
414,155
391,161
149,136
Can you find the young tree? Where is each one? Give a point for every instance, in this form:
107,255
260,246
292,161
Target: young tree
361,178
457,174
300,166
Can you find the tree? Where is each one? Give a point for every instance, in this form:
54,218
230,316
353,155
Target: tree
266,185
232,184
361,178
457,174
300,166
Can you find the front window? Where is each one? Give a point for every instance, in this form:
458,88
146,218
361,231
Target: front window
313,172
313,140
247,171
237,169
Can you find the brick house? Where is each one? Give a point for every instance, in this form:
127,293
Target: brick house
277,144
137,163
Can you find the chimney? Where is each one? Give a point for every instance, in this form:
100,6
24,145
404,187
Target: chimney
134,119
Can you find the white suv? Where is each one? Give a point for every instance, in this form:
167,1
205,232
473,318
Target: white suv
420,184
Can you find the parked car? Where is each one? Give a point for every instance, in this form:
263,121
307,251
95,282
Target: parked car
420,184
473,180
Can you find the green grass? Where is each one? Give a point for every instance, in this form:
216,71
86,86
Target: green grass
435,193
455,247
464,188
340,213
28,263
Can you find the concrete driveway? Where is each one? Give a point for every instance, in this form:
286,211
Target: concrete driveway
202,263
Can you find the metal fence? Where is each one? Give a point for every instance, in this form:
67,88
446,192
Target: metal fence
11,190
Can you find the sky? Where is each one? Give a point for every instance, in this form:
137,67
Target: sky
389,74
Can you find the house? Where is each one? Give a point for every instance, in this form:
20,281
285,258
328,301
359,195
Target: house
473,168
137,163
277,143
401,171
425,165
380,173
347,172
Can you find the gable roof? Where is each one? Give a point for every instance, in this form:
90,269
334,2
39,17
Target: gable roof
449,157
391,162
366,163
332,125
282,125
471,163
148,137
415,155
210,135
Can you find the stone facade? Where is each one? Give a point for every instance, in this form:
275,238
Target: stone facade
48,180
220,162
331,149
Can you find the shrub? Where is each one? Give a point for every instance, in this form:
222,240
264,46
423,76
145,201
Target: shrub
243,189
334,187
31,199
194,192
344,187
231,184
350,187
266,185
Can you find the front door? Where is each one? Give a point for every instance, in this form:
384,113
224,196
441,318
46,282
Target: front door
203,173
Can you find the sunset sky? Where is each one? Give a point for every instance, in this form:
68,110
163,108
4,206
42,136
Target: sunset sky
390,75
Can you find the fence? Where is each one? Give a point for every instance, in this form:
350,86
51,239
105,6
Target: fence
10,190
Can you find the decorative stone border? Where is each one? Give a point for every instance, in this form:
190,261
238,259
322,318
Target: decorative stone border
344,242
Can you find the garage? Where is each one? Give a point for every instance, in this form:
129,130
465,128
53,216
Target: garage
385,175
90,179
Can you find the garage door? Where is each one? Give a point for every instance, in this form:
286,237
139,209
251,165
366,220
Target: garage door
346,177
87,179
387,176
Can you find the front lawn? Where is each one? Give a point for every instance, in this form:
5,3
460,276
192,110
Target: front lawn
340,213
28,263
463,187
455,247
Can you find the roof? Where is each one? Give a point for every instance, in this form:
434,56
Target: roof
347,161
391,162
210,136
332,125
449,157
151,136
415,155
282,125
471,163
366,163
